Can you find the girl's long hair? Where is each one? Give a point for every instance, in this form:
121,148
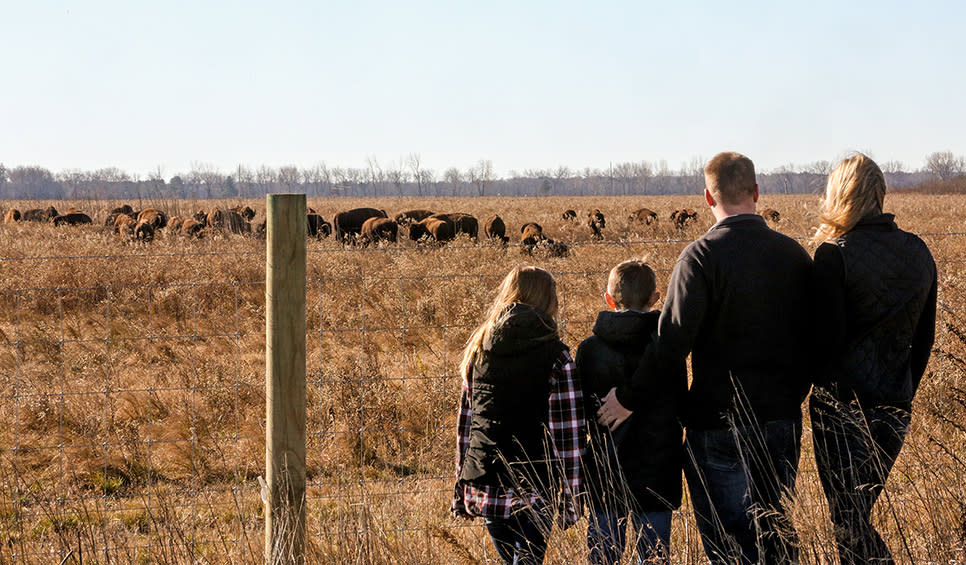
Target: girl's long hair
855,189
524,284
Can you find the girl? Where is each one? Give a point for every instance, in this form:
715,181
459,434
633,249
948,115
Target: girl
521,420
875,287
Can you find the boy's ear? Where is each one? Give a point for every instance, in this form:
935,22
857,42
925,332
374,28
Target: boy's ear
708,198
611,303
654,298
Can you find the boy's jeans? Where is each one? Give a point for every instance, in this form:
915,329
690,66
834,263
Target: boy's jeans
521,539
606,536
736,477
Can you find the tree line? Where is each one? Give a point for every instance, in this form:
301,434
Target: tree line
409,177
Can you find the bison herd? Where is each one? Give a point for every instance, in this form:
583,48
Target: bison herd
359,226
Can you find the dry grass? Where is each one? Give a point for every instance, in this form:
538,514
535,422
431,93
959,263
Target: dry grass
132,387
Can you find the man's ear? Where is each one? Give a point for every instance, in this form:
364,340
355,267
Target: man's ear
611,303
756,193
708,198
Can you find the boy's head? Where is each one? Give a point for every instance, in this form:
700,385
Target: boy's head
631,285
730,178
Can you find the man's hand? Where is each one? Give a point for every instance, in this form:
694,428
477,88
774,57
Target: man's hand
611,413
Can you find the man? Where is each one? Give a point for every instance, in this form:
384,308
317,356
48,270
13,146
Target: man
737,301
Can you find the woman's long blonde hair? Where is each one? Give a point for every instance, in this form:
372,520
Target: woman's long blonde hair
855,189
524,284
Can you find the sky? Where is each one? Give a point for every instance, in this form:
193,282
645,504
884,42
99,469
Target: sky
527,85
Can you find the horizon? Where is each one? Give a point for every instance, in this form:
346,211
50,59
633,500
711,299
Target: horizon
525,87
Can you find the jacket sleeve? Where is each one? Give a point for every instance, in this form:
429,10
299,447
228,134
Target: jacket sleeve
568,430
685,307
828,306
458,506
925,335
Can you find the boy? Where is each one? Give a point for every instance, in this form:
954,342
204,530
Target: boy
636,469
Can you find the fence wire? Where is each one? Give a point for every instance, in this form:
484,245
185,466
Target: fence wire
132,415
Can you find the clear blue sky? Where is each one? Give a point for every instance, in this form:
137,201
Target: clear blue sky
139,85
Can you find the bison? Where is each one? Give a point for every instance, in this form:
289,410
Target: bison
684,217
412,216
348,224
144,231
595,221
530,230
215,218
244,211
40,215
200,216
643,216
12,215
317,227
72,219
496,229
156,218
126,209
174,224
124,226
569,215
433,228
462,223
375,230
771,215
192,228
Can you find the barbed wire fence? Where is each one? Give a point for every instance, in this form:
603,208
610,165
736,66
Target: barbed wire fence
133,415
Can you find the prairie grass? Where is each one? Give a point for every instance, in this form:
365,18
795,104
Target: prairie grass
132,393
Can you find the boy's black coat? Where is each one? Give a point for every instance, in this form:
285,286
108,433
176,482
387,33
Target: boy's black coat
646,449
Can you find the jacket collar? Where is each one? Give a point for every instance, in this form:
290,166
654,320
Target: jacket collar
878,222
738,219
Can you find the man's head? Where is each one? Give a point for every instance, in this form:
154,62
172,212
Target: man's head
729,178
631,285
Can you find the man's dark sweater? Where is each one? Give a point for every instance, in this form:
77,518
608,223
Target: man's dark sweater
738,302
638,467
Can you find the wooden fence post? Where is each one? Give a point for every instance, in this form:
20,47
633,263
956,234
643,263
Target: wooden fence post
285,378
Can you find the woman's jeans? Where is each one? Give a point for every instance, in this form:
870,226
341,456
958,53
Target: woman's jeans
522,538
855,448
606,536
737,477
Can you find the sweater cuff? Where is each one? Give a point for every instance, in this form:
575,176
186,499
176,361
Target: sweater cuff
625,396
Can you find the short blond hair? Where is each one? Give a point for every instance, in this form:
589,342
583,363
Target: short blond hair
855,189
631,284
730,177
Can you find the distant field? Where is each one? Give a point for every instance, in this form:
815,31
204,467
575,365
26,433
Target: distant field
132,384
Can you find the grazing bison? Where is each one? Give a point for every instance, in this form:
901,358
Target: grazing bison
412,216
126,209
375,230
569,215
595,221
462,223
40,215
124,226
215,218
260,229
122,222
174,224
244,211
530,230
12,215
643,216
432,228
348,224
771,215
156,218
496,229
144,231
200,216
192,228
684,217
72,219
317,226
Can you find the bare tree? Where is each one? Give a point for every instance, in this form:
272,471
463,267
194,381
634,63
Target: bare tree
481,176
892,167
944,165
413,162
289,177
454,177
822,168
397,176
642,172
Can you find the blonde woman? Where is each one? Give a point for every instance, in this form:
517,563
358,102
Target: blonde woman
521,420
875,287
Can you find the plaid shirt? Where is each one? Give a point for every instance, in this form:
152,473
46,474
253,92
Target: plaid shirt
568,430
